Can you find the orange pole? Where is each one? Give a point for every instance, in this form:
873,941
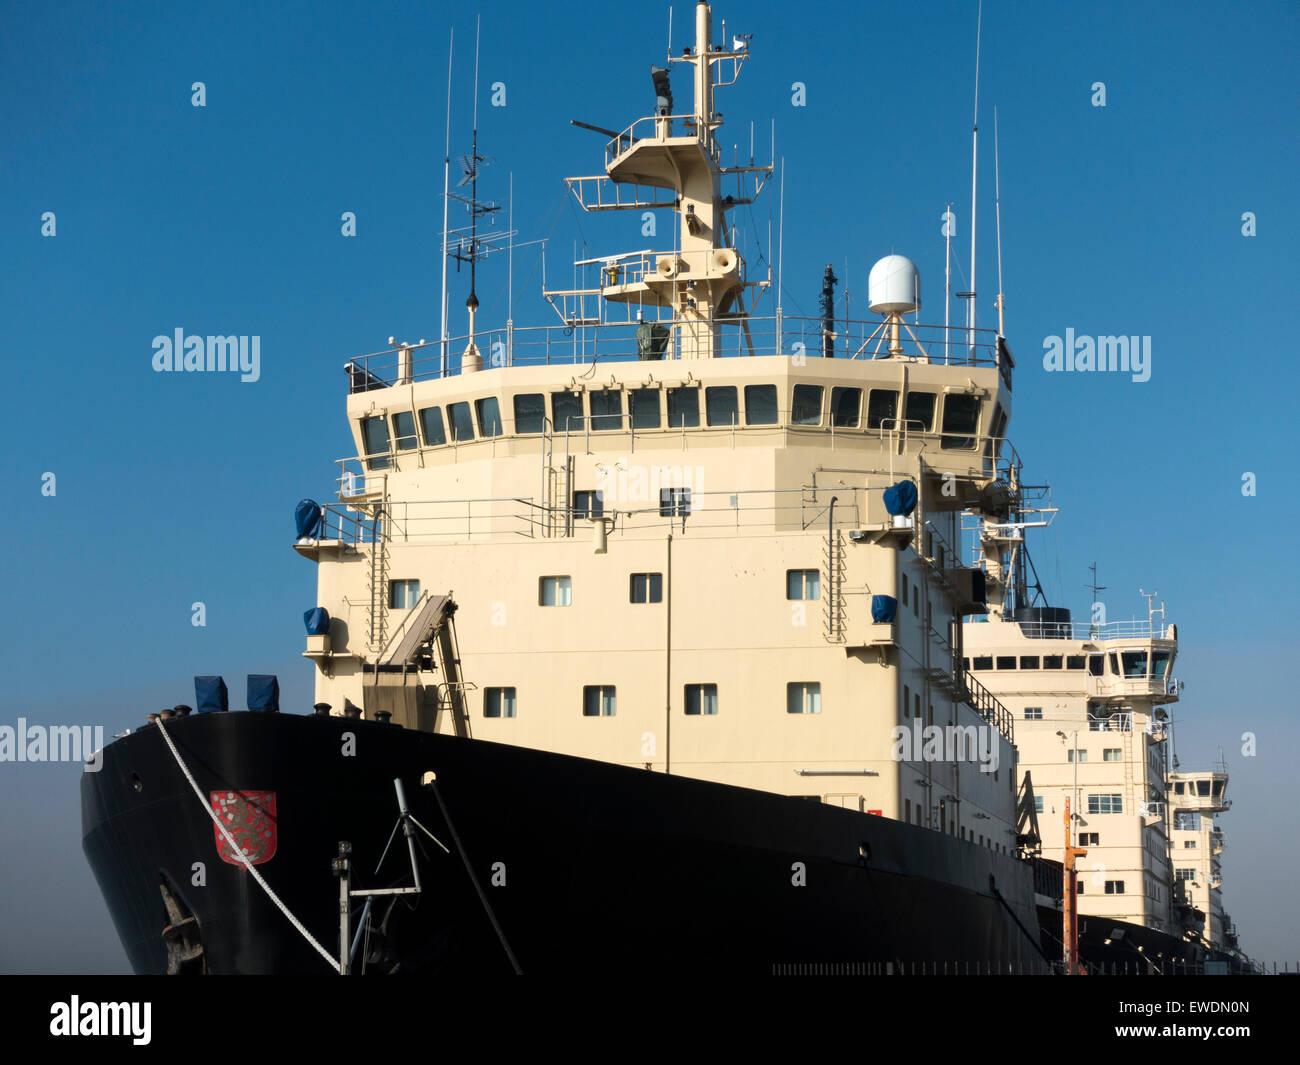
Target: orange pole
1071,901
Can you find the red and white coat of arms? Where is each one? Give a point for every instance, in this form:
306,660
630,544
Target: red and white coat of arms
249,817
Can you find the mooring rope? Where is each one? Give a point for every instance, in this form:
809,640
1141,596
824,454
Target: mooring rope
239,853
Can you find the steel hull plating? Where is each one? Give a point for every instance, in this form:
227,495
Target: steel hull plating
586,866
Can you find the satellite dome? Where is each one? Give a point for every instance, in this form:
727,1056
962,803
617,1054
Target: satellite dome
894,286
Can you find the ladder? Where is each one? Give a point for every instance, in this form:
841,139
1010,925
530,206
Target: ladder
377,582
833,577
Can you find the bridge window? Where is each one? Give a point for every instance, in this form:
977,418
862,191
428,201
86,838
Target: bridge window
1076,661
1187,820
802,584
566,411
1028,661
983,662
1006,661
647,588
961,415
555,591
1159,663
721,405
530,413
803,698
598,700
806,409
643,404
1052,661
403,594
499,702
404,430
489,416
1135,665
846,404
606,410
919,412
374,436
431,423
1096,665
760,405
702,699
683,408
462,427
882,408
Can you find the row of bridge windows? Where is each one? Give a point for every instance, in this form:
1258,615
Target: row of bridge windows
883,409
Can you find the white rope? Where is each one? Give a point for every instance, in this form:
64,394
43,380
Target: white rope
239,853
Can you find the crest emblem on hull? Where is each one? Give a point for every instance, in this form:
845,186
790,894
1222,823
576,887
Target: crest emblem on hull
249,817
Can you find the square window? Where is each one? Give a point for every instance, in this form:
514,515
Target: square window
1112,754
499,702
803,698
1028,661
589,504
462,426
846,404
1105,804
1006,661
1114,887
606,410
598,700
683,408
983,662
403,594
1072,755
530,413
803,584
721,405
806,409
1033,713
674,502
647,588
643,406
555,591
760,405
702,699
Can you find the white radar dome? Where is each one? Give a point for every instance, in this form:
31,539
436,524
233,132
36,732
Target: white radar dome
894,286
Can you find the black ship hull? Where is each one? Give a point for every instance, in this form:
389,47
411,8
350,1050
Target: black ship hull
585,866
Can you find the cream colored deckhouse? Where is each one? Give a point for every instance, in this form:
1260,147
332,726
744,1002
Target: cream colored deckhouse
663,522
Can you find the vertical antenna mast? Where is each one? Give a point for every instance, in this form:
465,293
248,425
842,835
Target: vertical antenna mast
947,277
472,302
446,198
974,157
997,214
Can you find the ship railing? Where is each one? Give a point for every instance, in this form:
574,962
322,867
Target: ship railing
1113,723
613,339
647,128
660,509
1135,629
987,705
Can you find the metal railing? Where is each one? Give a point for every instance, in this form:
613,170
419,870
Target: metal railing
616,341
988,706
1081,630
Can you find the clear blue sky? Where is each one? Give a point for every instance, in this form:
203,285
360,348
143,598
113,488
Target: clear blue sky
173,489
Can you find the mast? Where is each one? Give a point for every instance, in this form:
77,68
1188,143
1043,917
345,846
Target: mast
974,171
997,214
446,199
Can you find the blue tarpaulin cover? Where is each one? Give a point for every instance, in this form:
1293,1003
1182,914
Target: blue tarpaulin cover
901,498
210,695
263,692
307,515
318,621
883,607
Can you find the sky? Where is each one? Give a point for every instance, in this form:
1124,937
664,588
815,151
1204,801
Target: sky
175,489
